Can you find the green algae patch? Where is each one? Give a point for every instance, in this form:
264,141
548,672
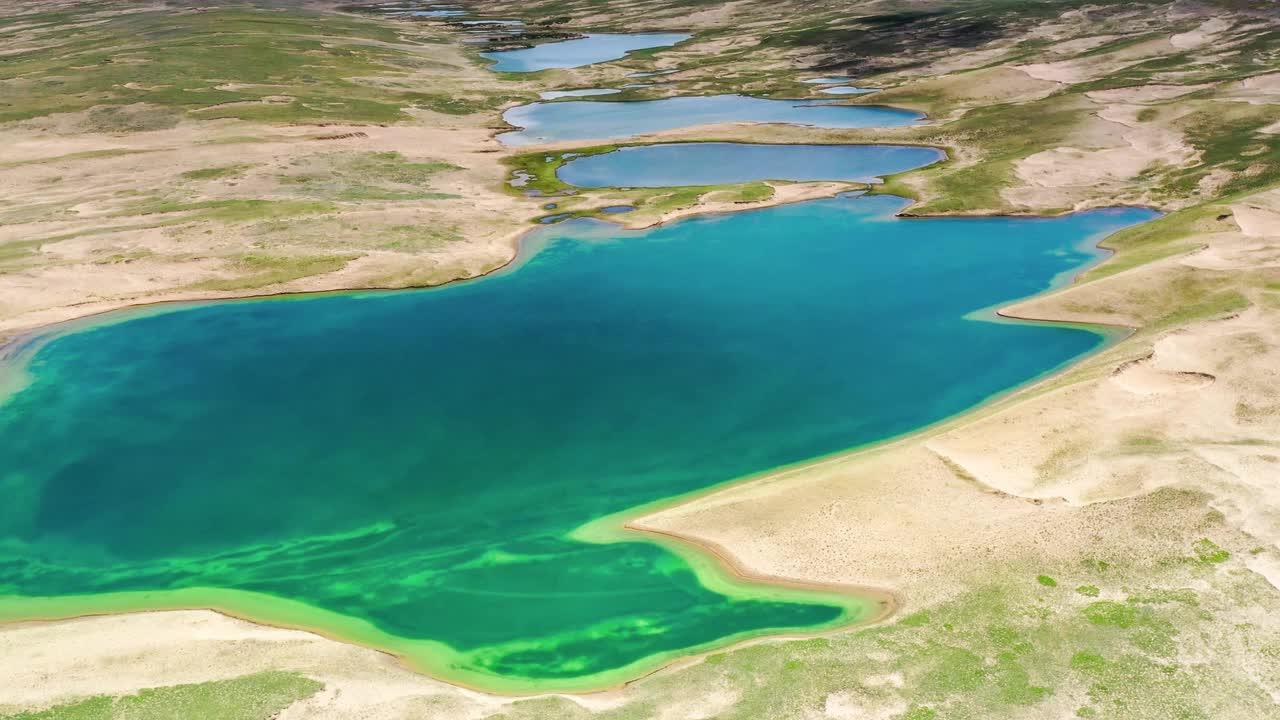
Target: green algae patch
250,697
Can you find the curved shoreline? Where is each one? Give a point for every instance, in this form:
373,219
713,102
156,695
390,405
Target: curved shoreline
715,566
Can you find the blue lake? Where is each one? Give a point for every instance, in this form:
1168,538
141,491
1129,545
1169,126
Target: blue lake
420,460
717,163
578,52
595,120
585,92
848,90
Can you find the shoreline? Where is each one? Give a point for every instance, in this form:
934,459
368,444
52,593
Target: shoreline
716,567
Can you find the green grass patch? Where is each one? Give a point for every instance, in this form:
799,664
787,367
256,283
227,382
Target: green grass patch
1208,553
216,173
538,169
146,70
355,177
228,211
261,270
1163,237
72,157
250,697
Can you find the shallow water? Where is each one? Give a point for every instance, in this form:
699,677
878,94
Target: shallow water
591,49
828,80
418,459
593,120
719,163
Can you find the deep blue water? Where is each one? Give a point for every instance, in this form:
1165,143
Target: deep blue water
594,120
718,163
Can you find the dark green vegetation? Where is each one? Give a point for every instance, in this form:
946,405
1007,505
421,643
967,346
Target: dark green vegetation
251,697
539,168
148,69
536,171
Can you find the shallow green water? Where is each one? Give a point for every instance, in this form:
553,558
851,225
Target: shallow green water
418,459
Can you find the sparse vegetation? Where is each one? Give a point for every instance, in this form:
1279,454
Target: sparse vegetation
251,697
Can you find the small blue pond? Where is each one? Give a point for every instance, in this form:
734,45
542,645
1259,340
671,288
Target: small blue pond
578,52
718,163
591,120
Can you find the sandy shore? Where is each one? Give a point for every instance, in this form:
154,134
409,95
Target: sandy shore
1171,408
835,523
1047,475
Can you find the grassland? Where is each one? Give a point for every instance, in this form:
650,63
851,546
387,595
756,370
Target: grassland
535,174
1102,545
204,150
251,697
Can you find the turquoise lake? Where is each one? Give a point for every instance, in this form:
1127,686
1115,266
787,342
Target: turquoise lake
595,120
594,48
676,164
418,459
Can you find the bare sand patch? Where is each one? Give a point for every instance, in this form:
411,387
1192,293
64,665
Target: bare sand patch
175,647
1109,152
1143,377
1142,94
1208,31
1257,221
982,87
711,203
1082,69
1038,473
73,274
847,705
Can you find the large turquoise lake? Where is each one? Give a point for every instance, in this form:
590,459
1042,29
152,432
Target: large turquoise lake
412,464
